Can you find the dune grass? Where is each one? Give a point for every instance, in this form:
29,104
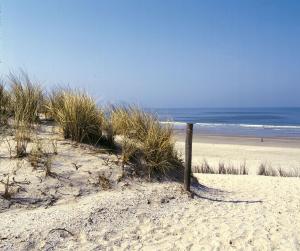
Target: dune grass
267,170
4,104
22,138
145,140
77,114
26,99
222,169
264,169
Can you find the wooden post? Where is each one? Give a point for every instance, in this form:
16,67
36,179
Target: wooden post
188,156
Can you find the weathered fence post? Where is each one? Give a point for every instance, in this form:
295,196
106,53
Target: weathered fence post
188,156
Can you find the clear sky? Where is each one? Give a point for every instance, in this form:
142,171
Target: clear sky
159,53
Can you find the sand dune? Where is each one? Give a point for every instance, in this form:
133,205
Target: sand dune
72,212
234,213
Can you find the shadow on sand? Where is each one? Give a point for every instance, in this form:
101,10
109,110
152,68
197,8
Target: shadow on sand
203,192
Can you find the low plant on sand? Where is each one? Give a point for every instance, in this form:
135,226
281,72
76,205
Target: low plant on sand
26,99
267,170
54,146
203,168
22,138
41,158
129,151
36,155
48,167
292,172
7,193
144,134
4,104
222,169
78,116
104,182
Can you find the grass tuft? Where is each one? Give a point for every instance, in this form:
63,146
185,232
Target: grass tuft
267,170
78,116
7,193
22,138
26,99
222,169
4,105
104,182
147,141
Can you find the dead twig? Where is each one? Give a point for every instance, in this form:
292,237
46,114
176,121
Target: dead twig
61,229
76,166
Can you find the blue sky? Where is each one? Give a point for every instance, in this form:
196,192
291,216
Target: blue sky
158,53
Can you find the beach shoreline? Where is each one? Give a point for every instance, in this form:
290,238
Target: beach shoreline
293,142
236,151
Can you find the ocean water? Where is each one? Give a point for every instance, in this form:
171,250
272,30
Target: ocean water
257,122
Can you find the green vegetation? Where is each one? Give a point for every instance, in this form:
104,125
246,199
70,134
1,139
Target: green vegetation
26,99
4,104
146,141
78,115
222,169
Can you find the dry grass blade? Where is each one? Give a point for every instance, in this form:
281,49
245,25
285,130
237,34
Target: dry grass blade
203,168
22,138
48,167
266,170
78,116
4,105
26,99
152,140
7,194
104,182
222,169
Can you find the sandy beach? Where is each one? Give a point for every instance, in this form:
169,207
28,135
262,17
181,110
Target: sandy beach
228,212
234,151
149,125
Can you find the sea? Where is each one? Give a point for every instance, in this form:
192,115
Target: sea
252,122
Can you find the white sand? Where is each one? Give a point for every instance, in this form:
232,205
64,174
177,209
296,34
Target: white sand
235,151
73,213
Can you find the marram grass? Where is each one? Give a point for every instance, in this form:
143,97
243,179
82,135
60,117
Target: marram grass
154,143
26,99
78,115
4,104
